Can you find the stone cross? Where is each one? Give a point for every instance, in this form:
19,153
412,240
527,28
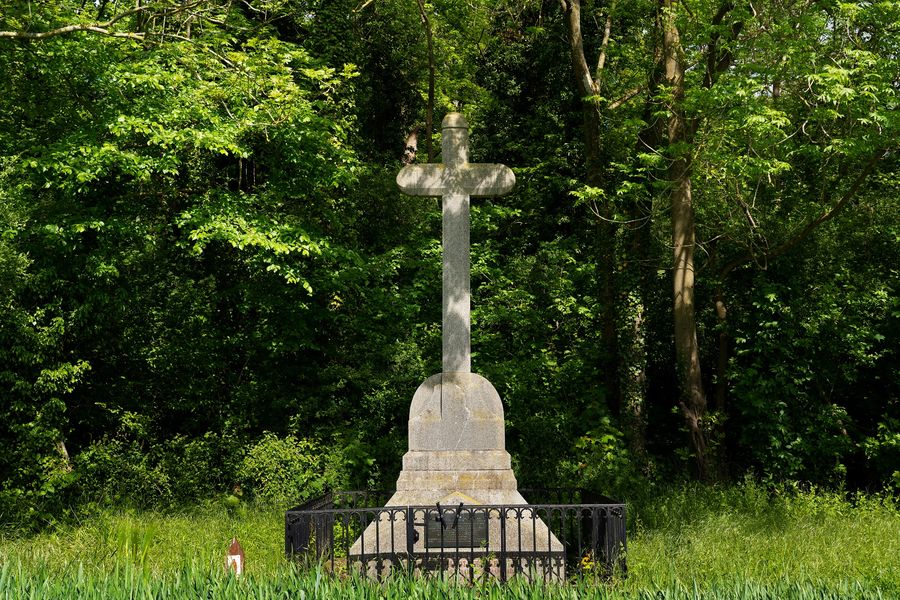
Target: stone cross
455,180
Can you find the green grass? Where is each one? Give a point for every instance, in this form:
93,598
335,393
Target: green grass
197,583
701,534
155,543
734,542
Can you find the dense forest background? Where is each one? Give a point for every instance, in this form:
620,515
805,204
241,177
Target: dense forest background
210,283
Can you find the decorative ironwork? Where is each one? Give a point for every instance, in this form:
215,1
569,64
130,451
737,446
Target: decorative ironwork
468,542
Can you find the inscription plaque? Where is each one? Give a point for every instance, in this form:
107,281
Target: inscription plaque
469,531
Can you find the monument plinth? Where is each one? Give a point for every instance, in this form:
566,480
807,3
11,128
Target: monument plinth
457,442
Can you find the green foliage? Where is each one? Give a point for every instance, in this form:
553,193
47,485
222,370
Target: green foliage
135,467
883,450
178,200
118,470
745,541
284,471
601,462
809,365
208,276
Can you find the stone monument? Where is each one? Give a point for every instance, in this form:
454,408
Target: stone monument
457,446
456,427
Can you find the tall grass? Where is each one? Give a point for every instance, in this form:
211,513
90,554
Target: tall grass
153,542
188,582
737,542
753,534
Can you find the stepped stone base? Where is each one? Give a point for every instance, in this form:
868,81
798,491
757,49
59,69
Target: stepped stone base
457,444
457,454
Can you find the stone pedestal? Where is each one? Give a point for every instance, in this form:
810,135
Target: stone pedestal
457,454
456,444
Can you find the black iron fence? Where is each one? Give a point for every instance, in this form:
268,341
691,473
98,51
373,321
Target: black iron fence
553,542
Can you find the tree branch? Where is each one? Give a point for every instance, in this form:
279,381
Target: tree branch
183,38
801,234
103,28
572,10
122,15
627,96
601,60
39,35
717,62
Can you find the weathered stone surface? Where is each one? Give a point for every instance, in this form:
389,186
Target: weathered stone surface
456,180
456,454
480,484
480,180
457,445
456,460
456,411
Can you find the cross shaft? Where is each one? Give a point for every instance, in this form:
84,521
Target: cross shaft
455,181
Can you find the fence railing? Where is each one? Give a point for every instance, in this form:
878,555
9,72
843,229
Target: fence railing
468,542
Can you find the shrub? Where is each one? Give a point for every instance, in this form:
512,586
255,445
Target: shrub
134,467
118,470
284,469
199,468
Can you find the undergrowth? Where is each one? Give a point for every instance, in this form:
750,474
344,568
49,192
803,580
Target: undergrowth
741,542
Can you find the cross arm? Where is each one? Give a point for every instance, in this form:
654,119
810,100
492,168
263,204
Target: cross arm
487,179
479,179
421,180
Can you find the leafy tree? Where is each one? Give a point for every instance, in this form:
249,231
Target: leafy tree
179,197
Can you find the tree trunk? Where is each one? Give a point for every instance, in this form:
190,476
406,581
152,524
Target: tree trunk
429,109
411,148
589,90
639,259
687,355
717,431
64,455
722,362
634,378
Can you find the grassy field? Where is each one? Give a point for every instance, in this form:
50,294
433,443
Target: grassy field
736,542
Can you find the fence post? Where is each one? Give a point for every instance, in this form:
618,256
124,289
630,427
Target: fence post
502,543
410,540
288,541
